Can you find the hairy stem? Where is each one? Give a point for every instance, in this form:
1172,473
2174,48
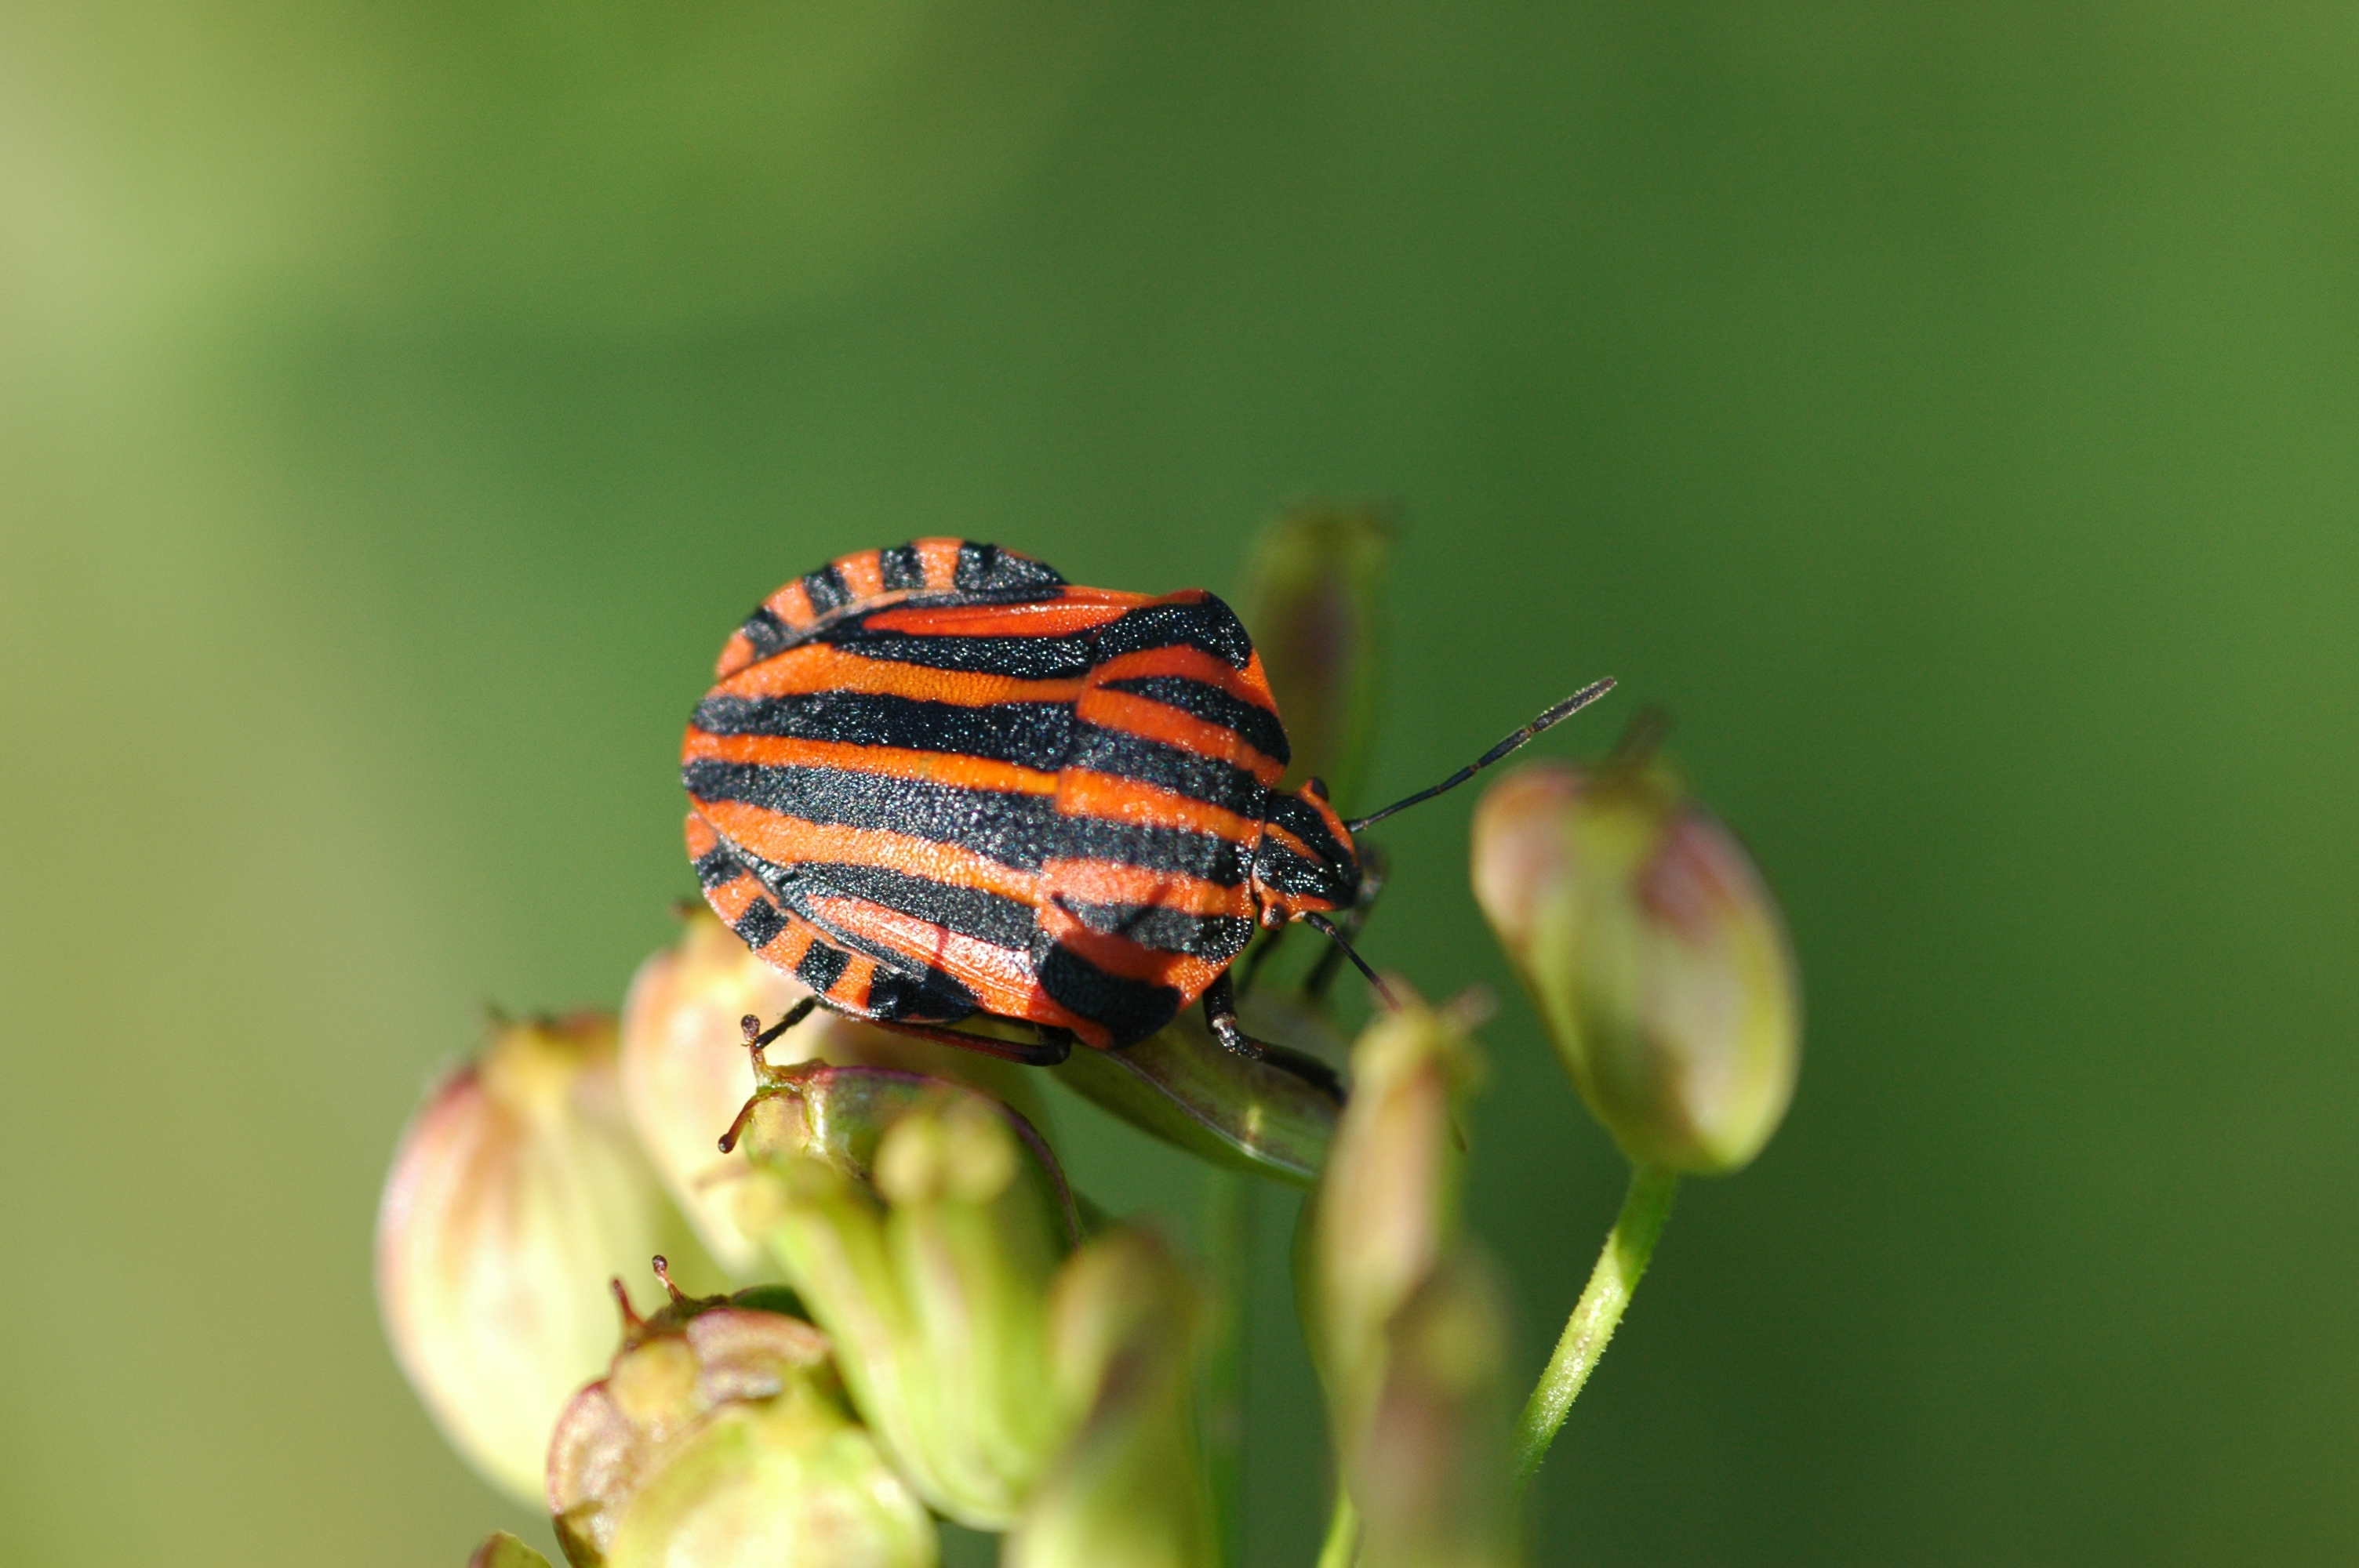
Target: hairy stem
1586,1333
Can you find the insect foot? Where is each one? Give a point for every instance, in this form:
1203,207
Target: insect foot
1653,951
684,1067
1270,1117
720,1435
516,1194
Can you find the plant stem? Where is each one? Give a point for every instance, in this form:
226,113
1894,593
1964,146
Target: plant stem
1343,1533
1230,1205
1620,1266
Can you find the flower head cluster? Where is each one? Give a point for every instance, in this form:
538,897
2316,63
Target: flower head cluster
911,1316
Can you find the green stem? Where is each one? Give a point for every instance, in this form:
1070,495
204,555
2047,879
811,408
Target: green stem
1619,1269
1343,1533
1230,1204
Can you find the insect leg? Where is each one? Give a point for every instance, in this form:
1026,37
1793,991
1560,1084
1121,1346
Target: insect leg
1221,1016
1055,1044
1330,963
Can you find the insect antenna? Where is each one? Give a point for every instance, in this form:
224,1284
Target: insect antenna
1554,716
1326,928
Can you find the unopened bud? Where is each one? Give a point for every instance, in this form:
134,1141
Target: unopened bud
515,1195
501,1550
718,1439
1271,1118
1657,955
684,1067
1314,600
921,1223
1128,1489
1433,1478
1386,1210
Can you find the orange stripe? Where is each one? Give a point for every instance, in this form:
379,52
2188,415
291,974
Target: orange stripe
1002,978
819,666
1080,609
786,840
702,839
862,574
852,986
1111,881
1154,721
736,654
1120,956
786,950
1193,664
939,559
1083,794
888,762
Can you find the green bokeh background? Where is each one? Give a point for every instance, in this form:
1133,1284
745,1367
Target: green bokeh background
1947,410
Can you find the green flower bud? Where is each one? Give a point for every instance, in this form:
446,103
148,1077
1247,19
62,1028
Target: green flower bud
1314,601
684,1067
1657,956
515,1195
921,1222
1432,1480
1386,1210
501,1550
1182,1086
718,1438
1129,1492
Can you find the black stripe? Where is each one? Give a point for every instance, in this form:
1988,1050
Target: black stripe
1020,658
901,567
987,568
971,912
1014,829
1295,814
825,589
715,867
760,923
1030,734
1218,937
1130,1009
934,997
766,631
821,966
1129,756
1259,728
1207,625
1204,856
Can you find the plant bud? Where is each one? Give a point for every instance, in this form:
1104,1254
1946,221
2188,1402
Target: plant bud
1433,1480
501,1550
921,1222
717,1439
1314,601
1385,1209
1657,956
515,1195
1128,1490
684,1067
1182,1086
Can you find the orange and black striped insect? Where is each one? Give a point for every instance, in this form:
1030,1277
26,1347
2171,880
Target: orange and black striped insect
938,780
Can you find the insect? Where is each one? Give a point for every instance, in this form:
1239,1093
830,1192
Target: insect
938,781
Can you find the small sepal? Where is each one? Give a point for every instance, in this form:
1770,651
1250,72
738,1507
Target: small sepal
719,1437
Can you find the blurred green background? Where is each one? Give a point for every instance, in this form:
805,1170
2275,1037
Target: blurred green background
1947,409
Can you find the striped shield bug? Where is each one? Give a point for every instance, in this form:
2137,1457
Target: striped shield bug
938,781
